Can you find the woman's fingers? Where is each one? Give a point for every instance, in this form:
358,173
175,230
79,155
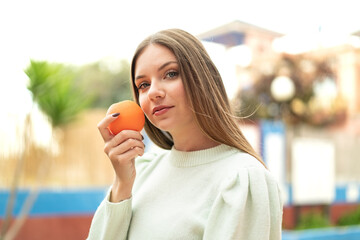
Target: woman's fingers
123,136
103,127
124,141
128,145
125,158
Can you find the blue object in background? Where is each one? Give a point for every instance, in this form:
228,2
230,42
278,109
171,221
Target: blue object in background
272,127
56,202
338,233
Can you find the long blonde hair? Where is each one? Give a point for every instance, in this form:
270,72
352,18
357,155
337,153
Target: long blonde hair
204,89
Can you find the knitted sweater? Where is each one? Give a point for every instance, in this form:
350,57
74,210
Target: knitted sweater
218,193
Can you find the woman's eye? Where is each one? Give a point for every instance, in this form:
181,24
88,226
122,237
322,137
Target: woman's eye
142,85
172,74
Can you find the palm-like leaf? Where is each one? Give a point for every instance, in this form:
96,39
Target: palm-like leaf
53,89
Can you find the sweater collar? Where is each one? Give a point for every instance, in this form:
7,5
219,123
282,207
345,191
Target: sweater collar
195,158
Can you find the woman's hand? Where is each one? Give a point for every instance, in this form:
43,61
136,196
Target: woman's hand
122,149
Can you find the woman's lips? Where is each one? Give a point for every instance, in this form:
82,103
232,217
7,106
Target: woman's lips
159,110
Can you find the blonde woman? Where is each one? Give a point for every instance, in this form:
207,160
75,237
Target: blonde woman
209,183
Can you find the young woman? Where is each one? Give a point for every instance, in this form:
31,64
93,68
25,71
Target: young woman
210,183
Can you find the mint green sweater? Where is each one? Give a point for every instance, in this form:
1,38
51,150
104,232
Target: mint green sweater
219,193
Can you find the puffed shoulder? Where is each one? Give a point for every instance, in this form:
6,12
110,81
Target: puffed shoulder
252,183
249,201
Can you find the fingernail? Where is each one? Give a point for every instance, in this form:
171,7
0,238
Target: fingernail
115,114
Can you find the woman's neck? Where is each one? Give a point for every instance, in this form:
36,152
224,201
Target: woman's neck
192,140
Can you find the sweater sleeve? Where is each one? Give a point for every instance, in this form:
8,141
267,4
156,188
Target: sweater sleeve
111,220
248,206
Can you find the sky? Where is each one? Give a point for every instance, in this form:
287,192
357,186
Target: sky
79,31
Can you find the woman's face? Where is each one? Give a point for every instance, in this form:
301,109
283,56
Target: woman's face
161,90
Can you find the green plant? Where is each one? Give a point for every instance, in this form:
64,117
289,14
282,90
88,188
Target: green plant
350,218
312,220
106,84
54,90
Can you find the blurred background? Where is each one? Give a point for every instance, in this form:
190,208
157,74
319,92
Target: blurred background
291,70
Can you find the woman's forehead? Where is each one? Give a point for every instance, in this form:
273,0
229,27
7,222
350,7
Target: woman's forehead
154,55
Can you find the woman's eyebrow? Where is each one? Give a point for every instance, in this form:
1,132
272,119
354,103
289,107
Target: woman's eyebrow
138,77
165,64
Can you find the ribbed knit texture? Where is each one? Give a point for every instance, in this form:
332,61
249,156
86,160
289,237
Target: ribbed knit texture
195,158
219,193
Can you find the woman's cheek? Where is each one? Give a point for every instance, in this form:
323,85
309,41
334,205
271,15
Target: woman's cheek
145,106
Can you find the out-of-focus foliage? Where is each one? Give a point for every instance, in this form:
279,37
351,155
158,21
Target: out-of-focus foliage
106,83
312,220
62,91
315,100
350,218
54,90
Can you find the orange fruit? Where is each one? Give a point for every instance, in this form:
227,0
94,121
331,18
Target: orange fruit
131,117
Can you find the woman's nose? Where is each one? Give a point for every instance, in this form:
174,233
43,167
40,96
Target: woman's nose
156,90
